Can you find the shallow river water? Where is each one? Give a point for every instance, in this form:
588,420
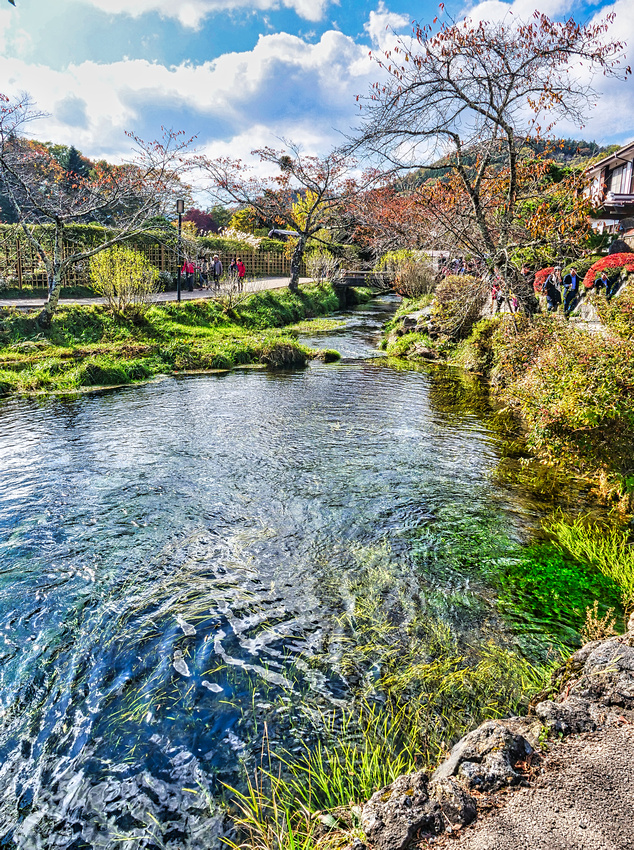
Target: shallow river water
174,556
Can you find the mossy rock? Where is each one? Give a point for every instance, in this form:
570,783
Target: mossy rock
329,355
283,355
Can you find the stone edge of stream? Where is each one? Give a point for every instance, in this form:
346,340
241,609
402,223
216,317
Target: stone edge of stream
597,693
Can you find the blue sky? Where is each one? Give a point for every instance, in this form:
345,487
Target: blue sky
238,73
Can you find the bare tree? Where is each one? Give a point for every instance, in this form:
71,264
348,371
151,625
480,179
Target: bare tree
306,195
45,200
464,98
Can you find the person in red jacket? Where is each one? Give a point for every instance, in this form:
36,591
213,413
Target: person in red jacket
188,271
241,273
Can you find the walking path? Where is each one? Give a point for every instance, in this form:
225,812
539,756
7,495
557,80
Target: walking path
249,286
582,800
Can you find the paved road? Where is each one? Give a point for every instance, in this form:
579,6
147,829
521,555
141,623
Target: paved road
249,286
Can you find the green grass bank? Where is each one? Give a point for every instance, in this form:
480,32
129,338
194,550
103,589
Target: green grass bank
90,346
572,389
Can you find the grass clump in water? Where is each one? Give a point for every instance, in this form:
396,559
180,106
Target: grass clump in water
546,589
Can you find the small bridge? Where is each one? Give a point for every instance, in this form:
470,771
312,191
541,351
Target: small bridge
378,282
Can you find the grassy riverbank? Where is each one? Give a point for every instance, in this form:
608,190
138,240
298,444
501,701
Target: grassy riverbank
572,389
90,346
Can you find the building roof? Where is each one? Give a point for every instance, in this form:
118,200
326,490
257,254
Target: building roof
624,154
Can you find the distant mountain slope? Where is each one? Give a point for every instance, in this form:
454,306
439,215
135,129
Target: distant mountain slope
568,152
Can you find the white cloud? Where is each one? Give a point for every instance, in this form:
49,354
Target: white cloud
382,25
285,84
190,13
496,10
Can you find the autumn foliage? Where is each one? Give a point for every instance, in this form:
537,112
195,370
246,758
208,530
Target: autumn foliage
541,277
462,99
613,261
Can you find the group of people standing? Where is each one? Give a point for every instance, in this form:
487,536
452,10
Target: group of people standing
209,272
461,266
554,288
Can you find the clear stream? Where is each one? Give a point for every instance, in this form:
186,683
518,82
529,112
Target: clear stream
174,556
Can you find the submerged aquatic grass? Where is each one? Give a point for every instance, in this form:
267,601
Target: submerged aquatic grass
414,688
607,548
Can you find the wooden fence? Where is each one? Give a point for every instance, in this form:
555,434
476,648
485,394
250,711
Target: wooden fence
21,266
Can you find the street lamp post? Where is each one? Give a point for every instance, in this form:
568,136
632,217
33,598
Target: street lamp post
180,209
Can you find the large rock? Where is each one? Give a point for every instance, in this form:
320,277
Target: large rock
600,682
411,807
458,808
394,816
485,759
415,320
571,715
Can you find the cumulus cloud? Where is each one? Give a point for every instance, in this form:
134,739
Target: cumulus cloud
382,25
190,13
292,87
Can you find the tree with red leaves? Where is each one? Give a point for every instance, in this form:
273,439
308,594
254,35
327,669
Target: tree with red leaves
465,97
205,222
622,262
42,192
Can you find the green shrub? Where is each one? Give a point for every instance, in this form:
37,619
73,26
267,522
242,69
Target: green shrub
581,266
618,314
124,276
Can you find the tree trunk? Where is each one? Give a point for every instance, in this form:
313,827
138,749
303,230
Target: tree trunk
54,275
296,263
45,317
525,292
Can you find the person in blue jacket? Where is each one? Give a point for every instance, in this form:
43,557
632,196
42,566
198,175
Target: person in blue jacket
571,290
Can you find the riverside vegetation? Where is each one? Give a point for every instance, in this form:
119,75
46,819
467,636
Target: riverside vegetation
571,389
571,392
90,346
419,683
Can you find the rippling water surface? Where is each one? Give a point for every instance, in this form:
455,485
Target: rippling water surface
173,557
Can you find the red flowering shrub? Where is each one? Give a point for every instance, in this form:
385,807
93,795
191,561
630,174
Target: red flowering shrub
540,278
613,261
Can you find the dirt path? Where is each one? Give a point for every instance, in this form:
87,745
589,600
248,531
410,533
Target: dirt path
582,799
250,286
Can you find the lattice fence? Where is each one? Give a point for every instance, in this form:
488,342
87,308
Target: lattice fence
20,265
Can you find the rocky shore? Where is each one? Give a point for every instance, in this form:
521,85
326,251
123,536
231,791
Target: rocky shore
571,761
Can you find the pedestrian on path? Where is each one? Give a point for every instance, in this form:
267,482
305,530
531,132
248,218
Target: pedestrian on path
571,290
241,274
216,268
204,273
552,291
188,271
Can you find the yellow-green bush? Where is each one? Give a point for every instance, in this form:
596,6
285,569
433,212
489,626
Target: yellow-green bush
123,276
